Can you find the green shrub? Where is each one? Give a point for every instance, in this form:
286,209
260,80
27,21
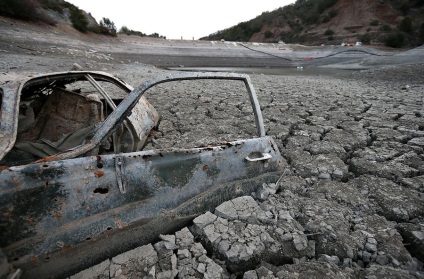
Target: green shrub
332,13
25,10
53,5
329,16
329,32
269,34
406,25
386,28
326,19
365,38
325,4
404,7
312,17
107,27
156,35
125,30
22,9
374,23
330,38
395,39
78,19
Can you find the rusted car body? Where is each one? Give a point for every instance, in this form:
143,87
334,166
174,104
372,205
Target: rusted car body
72,195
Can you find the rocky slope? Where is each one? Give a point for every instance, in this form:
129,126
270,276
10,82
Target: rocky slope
57,14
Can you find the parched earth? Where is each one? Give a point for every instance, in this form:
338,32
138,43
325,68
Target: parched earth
350,203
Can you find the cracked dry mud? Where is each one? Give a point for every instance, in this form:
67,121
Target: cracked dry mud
350,203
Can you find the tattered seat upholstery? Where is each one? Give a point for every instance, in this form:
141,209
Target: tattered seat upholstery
64,121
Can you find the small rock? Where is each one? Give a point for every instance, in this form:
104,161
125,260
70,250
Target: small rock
76,67
329,259
349,251
184,238
300,242
347,262
395,262
366,257
152,273
201,268
361,264
168,238
197,250
382,259
251,274
371,247
419,235
372,240
213,270
287,237
183,253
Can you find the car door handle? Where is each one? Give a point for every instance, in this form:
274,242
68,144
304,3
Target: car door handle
265,156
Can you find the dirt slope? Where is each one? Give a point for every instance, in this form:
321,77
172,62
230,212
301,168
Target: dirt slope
305,22
354,17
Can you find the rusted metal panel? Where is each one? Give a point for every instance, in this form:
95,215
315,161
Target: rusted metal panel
49,209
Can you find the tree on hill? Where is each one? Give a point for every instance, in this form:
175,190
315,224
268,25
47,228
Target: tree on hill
78,19
107,27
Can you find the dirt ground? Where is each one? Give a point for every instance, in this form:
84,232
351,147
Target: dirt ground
351,201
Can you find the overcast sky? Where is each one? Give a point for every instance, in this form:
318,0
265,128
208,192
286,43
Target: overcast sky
176,18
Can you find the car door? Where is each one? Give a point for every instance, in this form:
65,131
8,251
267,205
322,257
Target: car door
70,211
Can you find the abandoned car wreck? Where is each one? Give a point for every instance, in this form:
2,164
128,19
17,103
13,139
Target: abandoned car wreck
77,184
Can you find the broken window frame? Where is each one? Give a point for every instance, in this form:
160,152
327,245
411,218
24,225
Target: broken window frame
11,99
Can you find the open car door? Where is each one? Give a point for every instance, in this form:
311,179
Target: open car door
70,211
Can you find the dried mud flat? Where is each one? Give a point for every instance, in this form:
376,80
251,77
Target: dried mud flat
350,203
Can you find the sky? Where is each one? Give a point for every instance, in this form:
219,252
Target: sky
178,18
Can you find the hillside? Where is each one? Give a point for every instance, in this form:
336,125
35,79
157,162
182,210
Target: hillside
395,23
64,15
51,12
